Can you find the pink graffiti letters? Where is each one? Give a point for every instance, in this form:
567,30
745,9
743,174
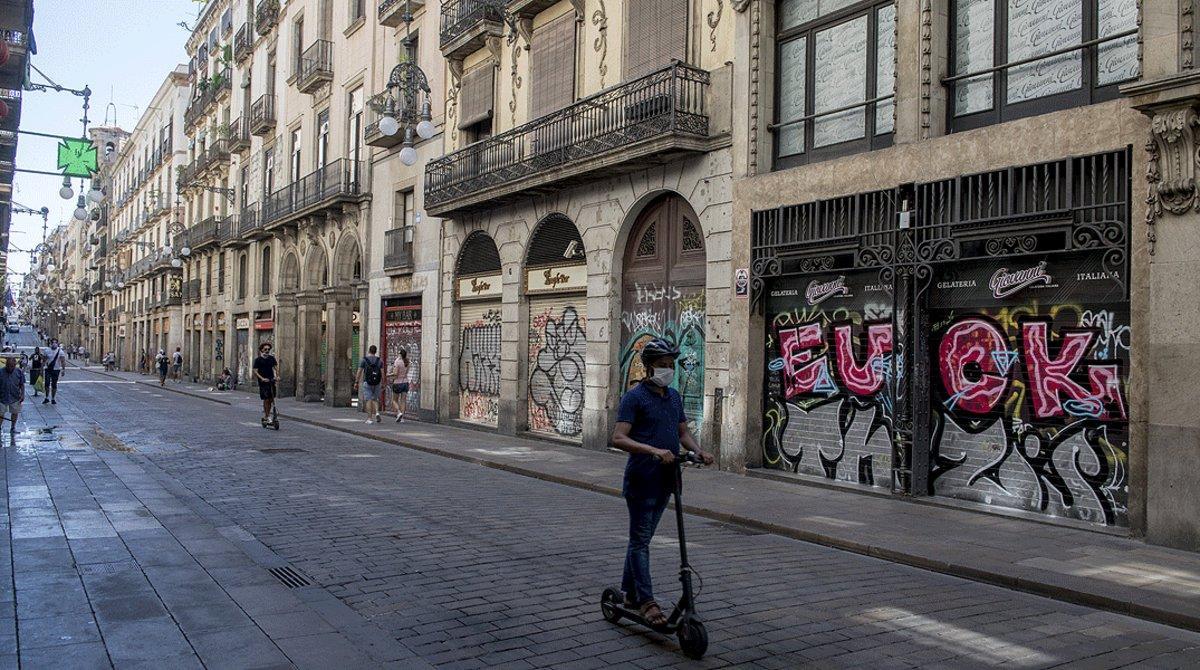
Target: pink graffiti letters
806,368
968,367
1050,378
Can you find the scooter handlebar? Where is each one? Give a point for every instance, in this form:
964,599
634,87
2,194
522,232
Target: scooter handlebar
689,457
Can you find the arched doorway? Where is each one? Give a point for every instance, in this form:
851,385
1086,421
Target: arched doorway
662,295
478,291
347,271
556,287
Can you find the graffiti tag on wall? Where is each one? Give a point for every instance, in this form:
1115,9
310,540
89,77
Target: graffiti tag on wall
479,368
674,313
831,373
557,347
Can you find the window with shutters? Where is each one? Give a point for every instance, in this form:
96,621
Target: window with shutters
265,271
221,274
656,33
835,78
552,66
477,102
243,271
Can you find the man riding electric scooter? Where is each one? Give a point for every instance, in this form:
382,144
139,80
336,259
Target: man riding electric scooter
651,426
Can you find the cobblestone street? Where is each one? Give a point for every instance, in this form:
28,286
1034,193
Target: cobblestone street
144,523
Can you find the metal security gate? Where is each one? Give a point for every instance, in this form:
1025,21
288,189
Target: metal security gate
240,364
557,351
479,362
402,330
999,372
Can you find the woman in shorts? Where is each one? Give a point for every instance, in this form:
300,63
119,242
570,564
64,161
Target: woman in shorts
399,379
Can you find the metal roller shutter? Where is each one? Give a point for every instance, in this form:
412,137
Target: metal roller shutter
402,329
479,361
557,351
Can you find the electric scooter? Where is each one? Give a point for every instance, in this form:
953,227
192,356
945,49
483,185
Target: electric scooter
273,422
683,621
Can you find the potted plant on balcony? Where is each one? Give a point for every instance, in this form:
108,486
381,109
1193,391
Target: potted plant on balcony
224,131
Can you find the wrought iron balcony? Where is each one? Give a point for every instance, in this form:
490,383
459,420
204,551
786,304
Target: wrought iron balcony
466,25
315,66
262,115
391,12
203,233
328,185
227,230
239,134
12,70
266,16
243,43
371,134
648,121
250,225
397,255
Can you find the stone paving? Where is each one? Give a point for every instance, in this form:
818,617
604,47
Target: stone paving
464,566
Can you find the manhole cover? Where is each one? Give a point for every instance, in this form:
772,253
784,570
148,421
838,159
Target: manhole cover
106,568
283,450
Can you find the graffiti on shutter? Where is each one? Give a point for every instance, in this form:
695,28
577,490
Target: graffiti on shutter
479,362
402,330
557,350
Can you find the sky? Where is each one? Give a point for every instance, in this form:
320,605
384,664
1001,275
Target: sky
122,50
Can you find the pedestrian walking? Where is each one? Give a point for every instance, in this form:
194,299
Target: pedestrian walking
162,363
12,391
369,379
36,362
56,368
177,365
651,427
264,371
399,379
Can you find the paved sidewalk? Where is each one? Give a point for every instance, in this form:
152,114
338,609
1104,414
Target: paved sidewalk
1073,565
107,563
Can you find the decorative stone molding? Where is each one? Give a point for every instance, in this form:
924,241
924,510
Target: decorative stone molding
739,6
1170,166
926,67
713,20
515,76
600,44
755,69
1187,20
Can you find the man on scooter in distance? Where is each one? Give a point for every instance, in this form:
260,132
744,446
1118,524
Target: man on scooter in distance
651,426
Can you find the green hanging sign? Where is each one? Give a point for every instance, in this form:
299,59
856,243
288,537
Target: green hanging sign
77,158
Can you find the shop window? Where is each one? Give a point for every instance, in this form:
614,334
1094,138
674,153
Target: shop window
835,87
1016,58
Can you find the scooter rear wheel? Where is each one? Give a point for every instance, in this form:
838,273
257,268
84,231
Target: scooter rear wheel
693,639
608,605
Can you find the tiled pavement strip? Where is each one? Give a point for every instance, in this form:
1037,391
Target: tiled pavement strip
466,566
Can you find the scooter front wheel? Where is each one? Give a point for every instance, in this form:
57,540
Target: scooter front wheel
608,605
693,639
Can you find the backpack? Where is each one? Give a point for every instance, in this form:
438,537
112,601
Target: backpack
373,372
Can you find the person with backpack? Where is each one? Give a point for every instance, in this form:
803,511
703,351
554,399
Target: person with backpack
161,362
369,379
36,362
177,365
56,367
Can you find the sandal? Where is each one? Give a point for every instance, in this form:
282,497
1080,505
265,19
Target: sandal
653,614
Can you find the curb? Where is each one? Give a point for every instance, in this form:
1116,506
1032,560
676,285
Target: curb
1038,588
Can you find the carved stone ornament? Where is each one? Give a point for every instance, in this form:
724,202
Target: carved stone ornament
739,6
1174,137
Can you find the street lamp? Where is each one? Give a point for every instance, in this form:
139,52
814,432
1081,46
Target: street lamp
407,104
66,193
81,212
95,195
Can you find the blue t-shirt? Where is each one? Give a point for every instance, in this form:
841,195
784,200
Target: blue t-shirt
654,420
11,385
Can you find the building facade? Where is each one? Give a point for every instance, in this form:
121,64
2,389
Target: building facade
911,248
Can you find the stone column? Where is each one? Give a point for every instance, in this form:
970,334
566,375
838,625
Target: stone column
286,343
339,368
308,351
204,356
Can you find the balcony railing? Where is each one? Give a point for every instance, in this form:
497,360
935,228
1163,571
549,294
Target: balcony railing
239,134
336,180
391,12
216,154
203,233
262,115
249,223
643,120
208,91
466,24
243,43
315,66
227,229
266,15
397,255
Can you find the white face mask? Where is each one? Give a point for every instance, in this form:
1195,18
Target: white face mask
662,376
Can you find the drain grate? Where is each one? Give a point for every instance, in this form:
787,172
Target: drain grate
283,450
290,577
105,568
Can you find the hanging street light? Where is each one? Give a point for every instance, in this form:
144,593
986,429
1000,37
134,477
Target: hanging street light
81,212
66,193
407,105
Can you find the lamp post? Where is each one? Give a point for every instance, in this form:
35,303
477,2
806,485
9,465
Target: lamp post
407,107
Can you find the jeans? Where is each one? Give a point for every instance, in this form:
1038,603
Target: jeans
52,382
644,514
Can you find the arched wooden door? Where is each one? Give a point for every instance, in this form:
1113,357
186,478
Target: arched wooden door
662,295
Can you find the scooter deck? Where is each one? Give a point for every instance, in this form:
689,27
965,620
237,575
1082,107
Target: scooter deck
634,615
